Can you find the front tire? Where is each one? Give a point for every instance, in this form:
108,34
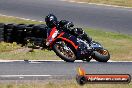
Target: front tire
101,55
65,51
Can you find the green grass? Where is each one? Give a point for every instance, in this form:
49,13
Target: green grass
127,3
36,55
6,47
119,45
60,84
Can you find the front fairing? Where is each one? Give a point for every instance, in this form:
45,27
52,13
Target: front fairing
51,35
96,46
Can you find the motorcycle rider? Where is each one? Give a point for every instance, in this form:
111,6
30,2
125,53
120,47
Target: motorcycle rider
63,25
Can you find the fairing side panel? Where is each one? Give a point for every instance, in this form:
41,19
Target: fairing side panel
68,38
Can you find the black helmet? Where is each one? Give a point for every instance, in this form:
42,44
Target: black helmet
51,20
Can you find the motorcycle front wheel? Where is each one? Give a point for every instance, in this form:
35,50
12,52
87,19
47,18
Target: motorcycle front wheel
65,51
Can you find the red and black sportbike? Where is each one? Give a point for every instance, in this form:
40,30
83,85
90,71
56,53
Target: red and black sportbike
70,48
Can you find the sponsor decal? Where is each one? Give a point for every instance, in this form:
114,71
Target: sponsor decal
83,78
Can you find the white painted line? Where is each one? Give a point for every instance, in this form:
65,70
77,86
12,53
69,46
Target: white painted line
96,4
109,5
37,61
63,0
25,75
72,1
41,21
121,61
33,20
26,19
10,60
41,61
81,2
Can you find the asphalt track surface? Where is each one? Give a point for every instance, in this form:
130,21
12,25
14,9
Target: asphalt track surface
101,17
42,70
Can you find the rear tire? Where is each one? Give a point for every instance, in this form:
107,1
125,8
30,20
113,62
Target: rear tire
101,57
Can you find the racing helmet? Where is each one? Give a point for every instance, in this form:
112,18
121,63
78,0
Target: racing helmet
51,20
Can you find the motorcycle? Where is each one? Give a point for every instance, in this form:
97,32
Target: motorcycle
70,48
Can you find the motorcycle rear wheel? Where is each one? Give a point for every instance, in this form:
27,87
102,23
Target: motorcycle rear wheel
101,55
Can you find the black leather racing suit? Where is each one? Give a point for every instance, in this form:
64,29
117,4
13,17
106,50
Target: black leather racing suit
78,32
